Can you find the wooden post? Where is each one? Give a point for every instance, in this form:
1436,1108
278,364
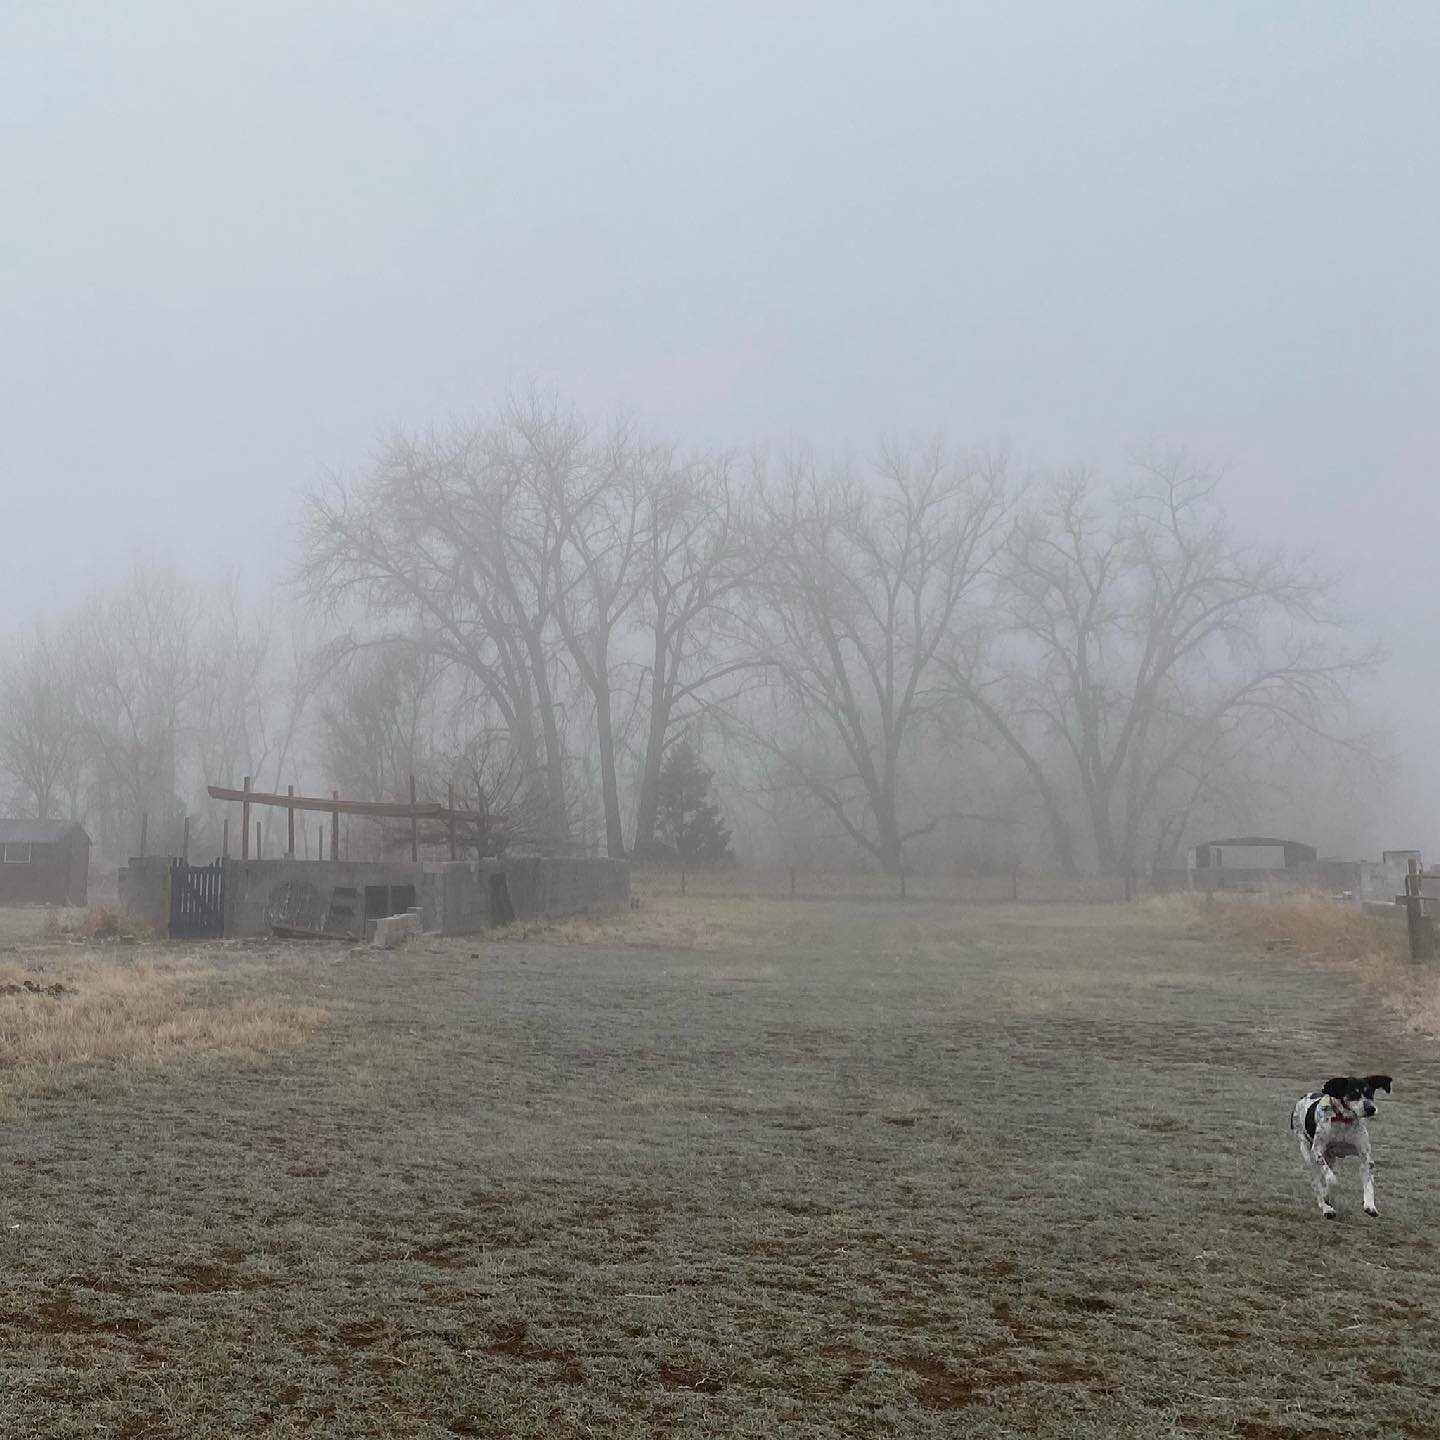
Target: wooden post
290,824
185,842
792,882
144,826
258,855
1415,923
319,842
682,882
245,826
414,828
335,828
450,801
225,839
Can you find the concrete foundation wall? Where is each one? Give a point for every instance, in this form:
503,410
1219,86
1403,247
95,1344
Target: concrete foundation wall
541,887
326,895
330,895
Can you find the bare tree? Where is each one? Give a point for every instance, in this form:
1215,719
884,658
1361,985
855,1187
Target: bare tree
697,562
136,675
39,733
599,499
1144,637
452,544
862,587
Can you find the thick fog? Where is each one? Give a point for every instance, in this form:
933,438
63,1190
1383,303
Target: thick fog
240,243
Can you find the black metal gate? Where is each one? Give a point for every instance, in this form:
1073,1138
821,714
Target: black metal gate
197,901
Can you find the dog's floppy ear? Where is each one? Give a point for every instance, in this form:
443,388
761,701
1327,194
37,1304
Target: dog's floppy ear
1378,1082
1339,1087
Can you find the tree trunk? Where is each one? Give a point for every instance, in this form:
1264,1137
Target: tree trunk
609,787
648,803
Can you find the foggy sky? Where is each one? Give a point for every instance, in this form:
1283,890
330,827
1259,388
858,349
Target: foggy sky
238,240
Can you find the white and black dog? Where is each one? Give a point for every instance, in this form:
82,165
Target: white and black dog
1331,1125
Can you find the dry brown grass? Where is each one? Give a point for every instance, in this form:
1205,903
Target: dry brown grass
76,1016
1317,928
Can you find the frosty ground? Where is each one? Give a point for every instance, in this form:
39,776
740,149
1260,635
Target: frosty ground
723,1167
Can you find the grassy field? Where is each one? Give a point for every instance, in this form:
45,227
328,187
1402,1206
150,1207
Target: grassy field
728,1165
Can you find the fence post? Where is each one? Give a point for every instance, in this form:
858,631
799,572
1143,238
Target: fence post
414,827
335,828
792,882
290,824
144,825
450,804
258,855
245,824
1417,927
225,839
185,842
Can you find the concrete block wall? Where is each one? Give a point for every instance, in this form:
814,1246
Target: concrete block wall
143,886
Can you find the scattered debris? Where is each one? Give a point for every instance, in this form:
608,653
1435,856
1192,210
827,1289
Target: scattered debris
29,987
301,932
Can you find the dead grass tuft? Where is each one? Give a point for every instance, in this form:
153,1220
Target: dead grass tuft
72,1018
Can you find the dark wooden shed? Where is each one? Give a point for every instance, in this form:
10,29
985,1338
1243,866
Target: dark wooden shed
43,862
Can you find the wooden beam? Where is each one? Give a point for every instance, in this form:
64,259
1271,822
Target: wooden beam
244,821
375,809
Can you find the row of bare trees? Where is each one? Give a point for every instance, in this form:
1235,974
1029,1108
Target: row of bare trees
891,655
893,649
122,708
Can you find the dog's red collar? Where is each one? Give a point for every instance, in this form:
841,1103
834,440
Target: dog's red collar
1340,1116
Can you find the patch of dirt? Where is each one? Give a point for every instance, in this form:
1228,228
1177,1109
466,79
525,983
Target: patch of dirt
939,1388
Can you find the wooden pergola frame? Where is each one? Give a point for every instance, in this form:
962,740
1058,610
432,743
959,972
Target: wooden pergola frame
335,807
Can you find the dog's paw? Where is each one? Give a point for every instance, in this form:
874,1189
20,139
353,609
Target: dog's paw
1372,1212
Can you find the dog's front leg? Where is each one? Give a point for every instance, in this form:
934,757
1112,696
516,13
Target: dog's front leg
1367,1180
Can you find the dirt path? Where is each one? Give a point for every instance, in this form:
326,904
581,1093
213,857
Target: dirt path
899,1171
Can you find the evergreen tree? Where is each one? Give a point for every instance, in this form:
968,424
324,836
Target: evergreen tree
689,824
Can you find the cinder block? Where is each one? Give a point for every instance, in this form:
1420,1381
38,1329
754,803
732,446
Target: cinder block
394,930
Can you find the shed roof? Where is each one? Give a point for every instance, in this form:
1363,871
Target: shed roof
1252,840
39,832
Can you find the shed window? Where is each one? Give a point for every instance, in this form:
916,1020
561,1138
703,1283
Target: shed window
16,853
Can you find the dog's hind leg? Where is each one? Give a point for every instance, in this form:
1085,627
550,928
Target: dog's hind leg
1322,1177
